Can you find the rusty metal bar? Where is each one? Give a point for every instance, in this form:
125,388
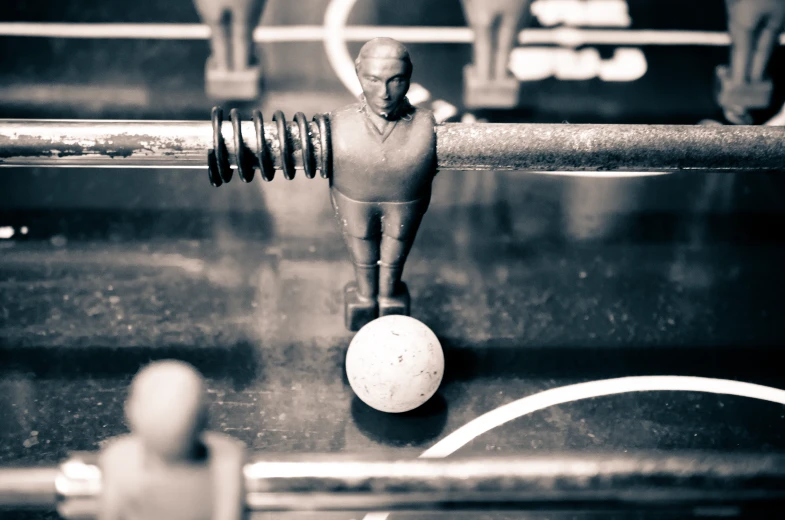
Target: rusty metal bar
131,144
632,148
341,483
524,147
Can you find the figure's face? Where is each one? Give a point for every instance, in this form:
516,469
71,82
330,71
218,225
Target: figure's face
385,82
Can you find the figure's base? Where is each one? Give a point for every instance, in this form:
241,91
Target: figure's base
358,311
483,93
397,304
746,96
738,116
240,85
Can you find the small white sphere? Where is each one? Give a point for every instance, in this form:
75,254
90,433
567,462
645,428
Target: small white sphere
395,364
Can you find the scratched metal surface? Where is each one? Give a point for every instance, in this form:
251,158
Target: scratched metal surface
459,146
163,144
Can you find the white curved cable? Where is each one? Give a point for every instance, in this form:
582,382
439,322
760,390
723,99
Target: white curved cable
567,394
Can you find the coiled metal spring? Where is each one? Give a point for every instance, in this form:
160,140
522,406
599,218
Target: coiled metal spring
249,160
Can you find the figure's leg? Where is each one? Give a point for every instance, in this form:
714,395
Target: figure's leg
360,297
361,231
767,40
219,42
246,15
742,32
400,225
241,40
480,22
365,257
219,45
483,49
487,82
505,39
212,14
393,294
508,33
393,258
734,95
361,228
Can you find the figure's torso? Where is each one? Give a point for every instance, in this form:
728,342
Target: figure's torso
371,168
177,492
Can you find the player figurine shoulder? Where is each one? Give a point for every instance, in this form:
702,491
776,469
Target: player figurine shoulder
364,140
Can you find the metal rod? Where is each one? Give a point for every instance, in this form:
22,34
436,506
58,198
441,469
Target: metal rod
129,144
324,483
28,486
524,147
633,148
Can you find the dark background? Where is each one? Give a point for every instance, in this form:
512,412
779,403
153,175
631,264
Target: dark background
677,88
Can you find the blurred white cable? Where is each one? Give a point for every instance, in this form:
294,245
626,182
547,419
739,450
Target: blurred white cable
571,393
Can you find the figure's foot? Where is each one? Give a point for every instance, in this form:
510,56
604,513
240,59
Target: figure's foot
739,99
737,116
239,85
358,309
499,92
398,303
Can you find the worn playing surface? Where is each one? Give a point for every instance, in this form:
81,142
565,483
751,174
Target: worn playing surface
518,307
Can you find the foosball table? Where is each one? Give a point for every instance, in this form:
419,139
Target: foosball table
589,322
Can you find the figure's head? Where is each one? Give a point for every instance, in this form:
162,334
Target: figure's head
166,409
384,70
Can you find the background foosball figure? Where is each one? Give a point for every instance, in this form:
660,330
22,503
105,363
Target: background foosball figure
384,161
168,468
232,71
755,27
487,82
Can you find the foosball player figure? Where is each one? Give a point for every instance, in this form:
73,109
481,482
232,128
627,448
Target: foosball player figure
384,161
232,71
755,27
487,81
168,467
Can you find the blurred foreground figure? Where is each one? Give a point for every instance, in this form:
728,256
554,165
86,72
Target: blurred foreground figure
487,82
755,27
168,467
232,71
